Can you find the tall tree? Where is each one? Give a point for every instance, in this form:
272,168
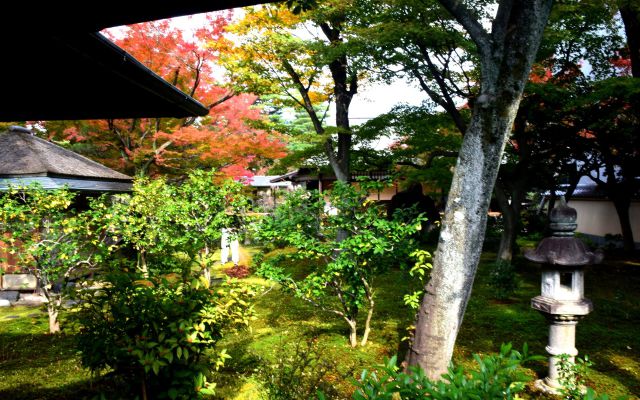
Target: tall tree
307,58
630,13
227,139
607,120
505,54
538,155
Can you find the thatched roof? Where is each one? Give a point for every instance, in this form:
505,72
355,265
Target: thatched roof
25,158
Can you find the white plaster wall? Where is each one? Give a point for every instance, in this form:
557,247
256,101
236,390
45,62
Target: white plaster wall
599,217
385,194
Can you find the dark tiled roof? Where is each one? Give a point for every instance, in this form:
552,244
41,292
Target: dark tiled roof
589,191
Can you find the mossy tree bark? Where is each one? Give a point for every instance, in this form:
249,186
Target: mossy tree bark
506,55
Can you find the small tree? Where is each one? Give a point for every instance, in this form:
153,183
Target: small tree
342,279
203,209
155,320
160,219
50,238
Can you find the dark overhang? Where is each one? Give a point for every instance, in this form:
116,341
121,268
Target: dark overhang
57,67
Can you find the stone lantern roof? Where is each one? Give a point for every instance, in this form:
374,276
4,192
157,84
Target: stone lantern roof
563,248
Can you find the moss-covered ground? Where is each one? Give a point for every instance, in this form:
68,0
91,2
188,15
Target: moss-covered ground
35,365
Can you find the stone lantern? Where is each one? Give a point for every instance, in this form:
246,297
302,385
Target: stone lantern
562,301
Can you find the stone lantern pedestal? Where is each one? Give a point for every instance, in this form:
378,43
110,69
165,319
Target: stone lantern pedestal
562,299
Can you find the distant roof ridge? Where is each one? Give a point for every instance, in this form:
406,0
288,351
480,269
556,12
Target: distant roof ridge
17,128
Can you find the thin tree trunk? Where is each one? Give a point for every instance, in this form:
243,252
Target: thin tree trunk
507,238
206,271
367,323
510,221
506,55
345,86
52,310
353,332
622,203
144,386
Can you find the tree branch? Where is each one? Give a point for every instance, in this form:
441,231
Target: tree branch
222,99
444,90
464,17
501,21
308,105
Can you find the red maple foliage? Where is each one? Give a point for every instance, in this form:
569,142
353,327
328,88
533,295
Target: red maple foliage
237,271
231,138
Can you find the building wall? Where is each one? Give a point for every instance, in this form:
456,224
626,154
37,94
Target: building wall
384,195
599,217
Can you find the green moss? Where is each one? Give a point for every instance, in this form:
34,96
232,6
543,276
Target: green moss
609,335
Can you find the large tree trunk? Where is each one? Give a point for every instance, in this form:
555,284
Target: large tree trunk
630,13
506,57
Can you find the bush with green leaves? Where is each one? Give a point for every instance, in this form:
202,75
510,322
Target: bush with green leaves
299,371
495,377
51,238
159,333
160,219
154,320
572,379
421,272
503,279
347,240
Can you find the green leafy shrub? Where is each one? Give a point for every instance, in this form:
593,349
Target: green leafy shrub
52,240
270,268
299,371
495,377
503,279
571,376
420,270
154,320
572,379
347,241
159,333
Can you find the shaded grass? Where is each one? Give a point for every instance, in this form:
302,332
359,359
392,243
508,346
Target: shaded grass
35,365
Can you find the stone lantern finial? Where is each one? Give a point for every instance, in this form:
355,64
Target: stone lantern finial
562,219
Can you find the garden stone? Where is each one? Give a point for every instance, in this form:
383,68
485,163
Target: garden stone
19,282
5,303
30,298
10,295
